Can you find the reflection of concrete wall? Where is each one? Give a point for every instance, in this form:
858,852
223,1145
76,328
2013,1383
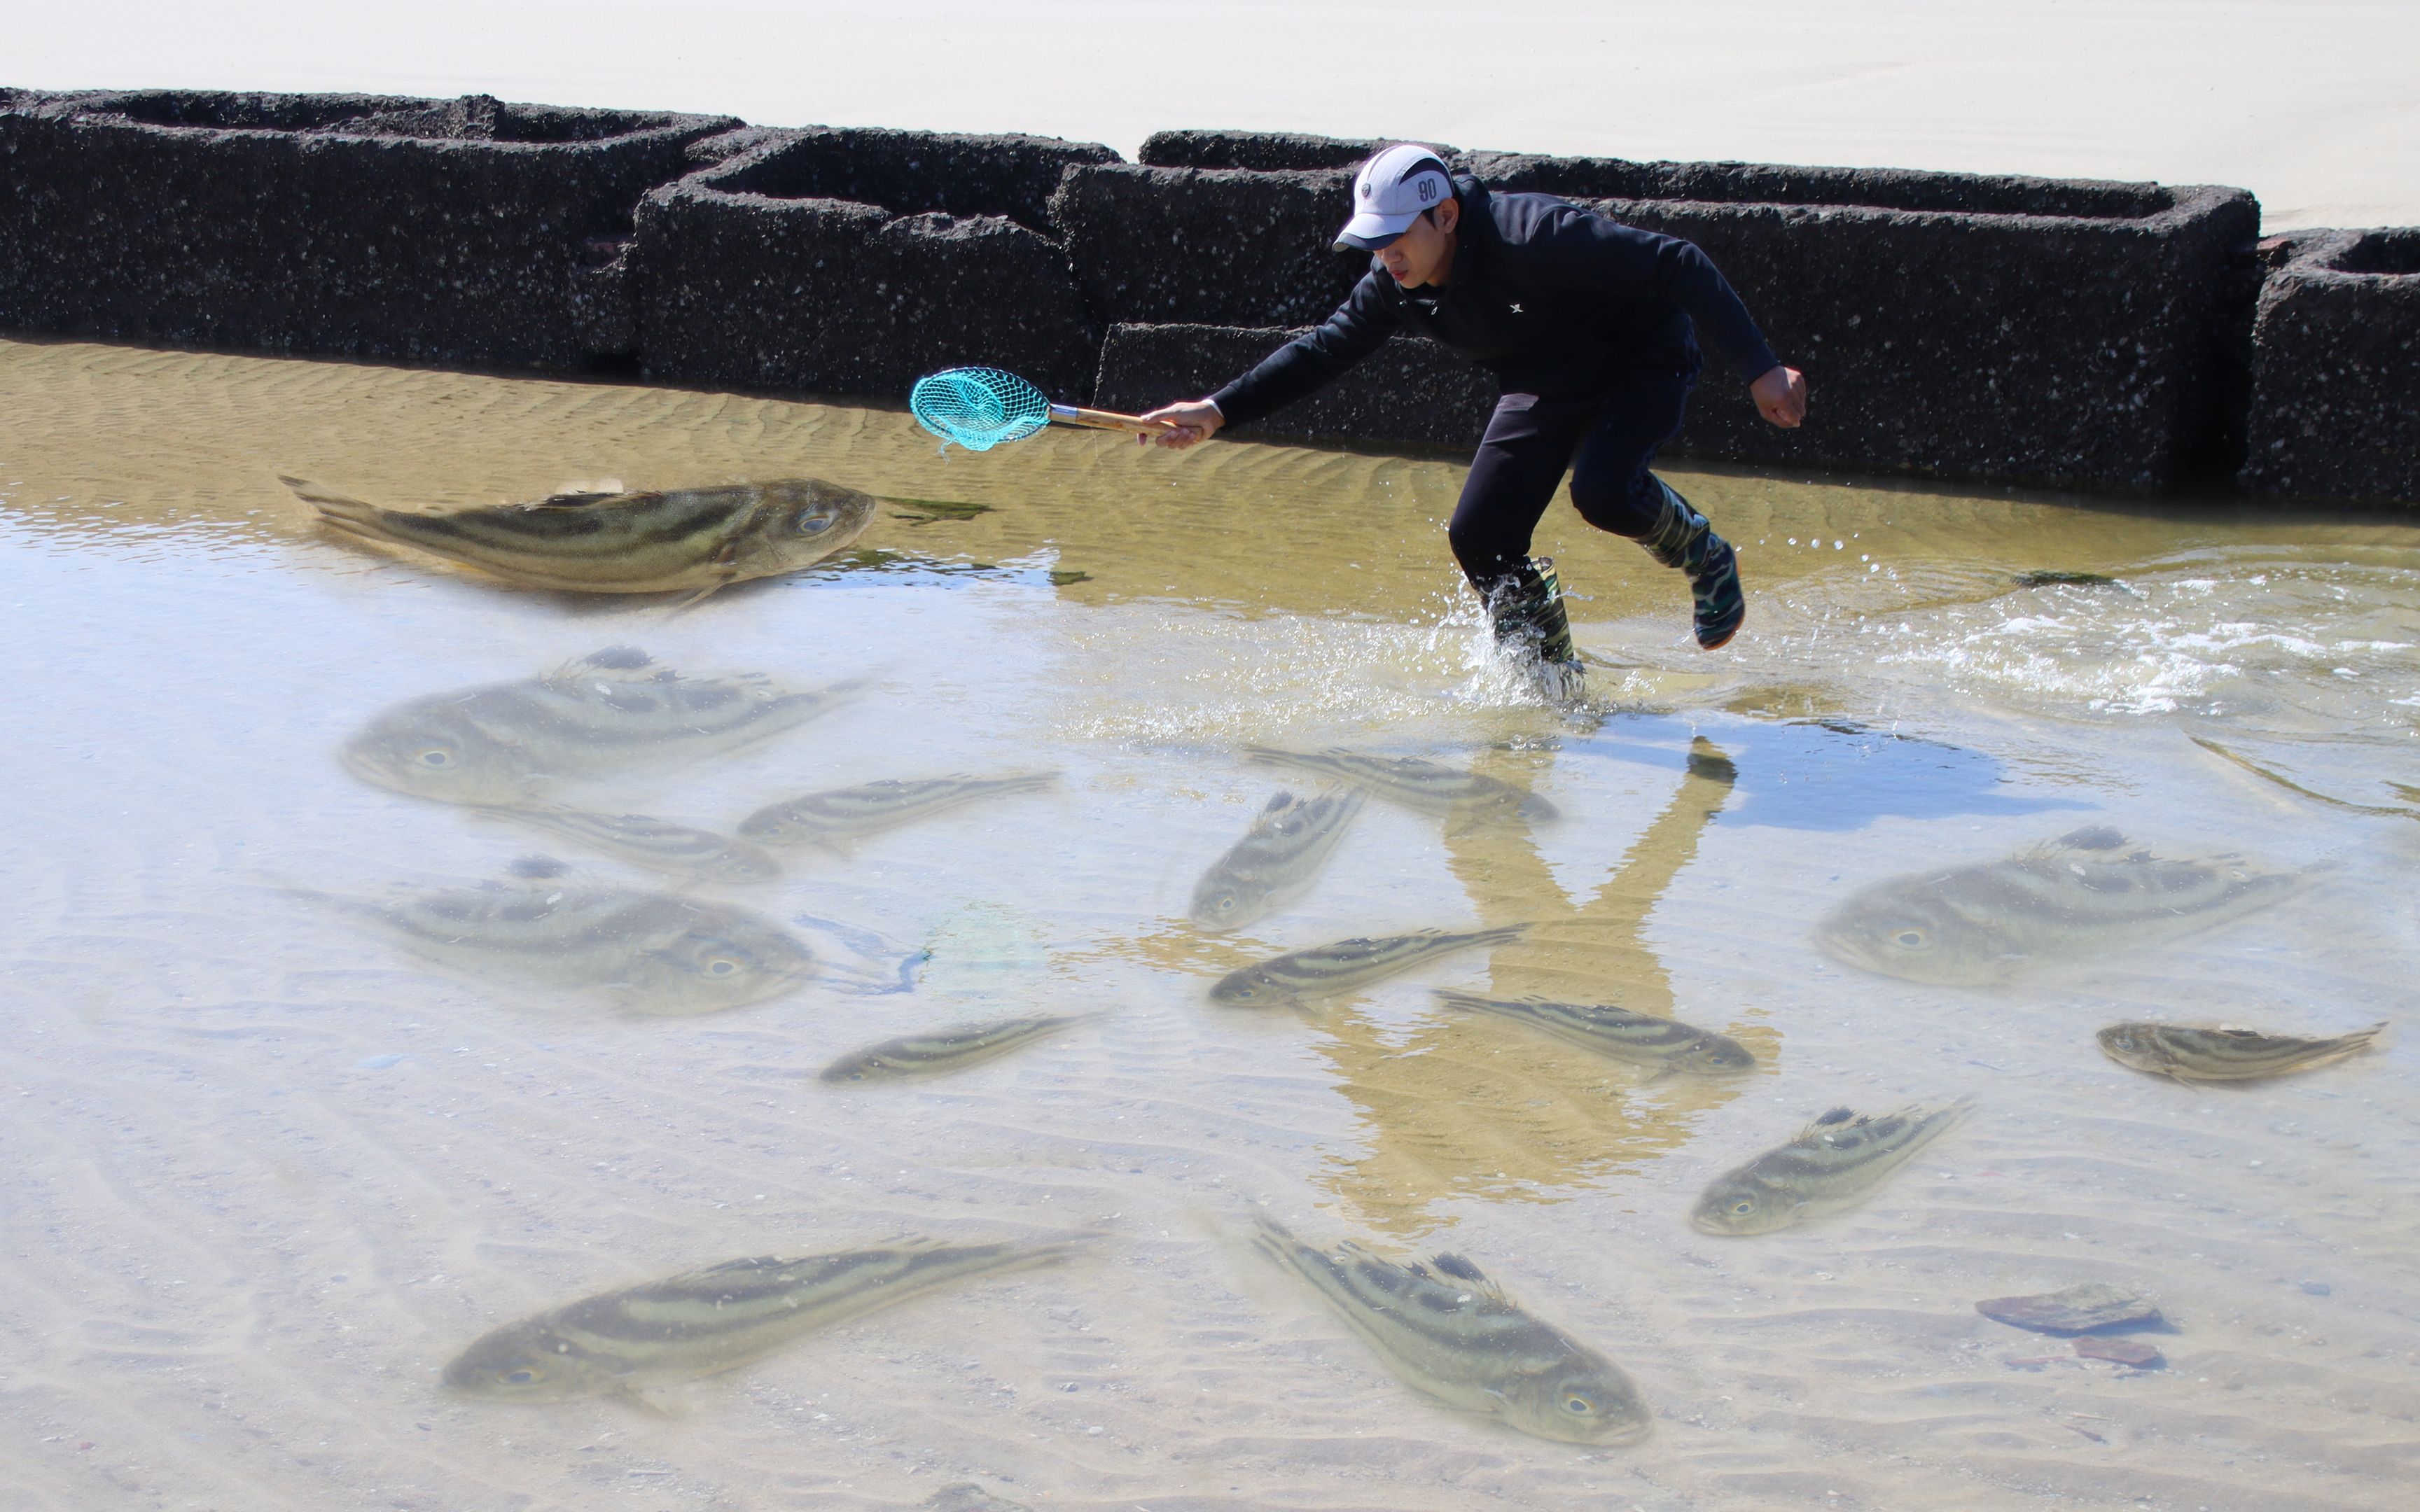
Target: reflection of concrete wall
2335,366
1986,327
854,261
468,230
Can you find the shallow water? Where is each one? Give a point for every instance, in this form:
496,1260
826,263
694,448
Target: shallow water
268,1172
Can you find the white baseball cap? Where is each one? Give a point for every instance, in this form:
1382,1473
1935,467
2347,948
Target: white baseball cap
1390,192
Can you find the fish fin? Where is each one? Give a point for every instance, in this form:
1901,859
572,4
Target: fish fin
2090,838
626,662
703,594
1834,1119
1459,1266
536,867
582,500
1278,800
335,505
1451,998
639,1402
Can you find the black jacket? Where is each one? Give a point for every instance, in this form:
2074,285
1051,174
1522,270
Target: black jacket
1553,300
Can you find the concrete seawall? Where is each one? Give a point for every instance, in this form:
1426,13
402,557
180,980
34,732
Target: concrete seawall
2112,336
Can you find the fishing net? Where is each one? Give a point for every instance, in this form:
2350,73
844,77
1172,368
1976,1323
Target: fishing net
978,408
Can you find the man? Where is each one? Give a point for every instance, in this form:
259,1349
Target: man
1588,326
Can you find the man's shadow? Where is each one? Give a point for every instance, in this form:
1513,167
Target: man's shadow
1474,1105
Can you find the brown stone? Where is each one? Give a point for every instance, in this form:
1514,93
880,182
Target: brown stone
2132,1352
2077,1309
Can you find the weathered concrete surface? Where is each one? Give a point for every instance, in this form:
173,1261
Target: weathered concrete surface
2334,368
1407,393
1262,151
466,231
855,261
2087,335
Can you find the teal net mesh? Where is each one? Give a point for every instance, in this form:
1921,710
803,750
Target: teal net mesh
978,408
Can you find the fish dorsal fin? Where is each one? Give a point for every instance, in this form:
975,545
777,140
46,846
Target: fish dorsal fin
1280,799
626,662
536,868
573,501
1831,1122
1459,1268
2090,838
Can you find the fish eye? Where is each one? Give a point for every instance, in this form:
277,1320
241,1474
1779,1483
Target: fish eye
1743,1207
812,524
527,1374
1909,938
1577,1405
436,756
722,966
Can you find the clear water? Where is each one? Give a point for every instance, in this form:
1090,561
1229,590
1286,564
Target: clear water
266,1173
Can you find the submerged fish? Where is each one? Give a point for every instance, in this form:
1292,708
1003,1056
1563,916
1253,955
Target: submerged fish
611,711
842,814
1347,964
936,1050
716,1319
1446,1330
1417,784
2198,1054
657,845
696,539
2081,894
1277,860
1668,1044
658,952
1832,1164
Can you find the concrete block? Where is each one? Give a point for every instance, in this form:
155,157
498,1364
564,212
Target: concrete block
855,261
473,231
2335,363
2035,331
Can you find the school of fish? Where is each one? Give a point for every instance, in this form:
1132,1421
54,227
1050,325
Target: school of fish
1443,1327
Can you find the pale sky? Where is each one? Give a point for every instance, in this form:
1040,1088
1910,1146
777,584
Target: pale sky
2313,105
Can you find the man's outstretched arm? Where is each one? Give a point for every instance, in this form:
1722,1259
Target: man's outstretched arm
1359,326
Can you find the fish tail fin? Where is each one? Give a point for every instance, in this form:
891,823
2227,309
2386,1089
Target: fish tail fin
351,515
1500,934
1467,1002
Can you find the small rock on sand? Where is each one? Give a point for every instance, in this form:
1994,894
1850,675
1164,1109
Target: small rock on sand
2132,1352
2076,1310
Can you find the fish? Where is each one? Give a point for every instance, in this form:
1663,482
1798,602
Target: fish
1423,786
705,1322
2082,894
838,815
611,711
1343,966
1448,1331
1278,859
658,952
937,1051
2198,1054
1666,1044
1832,1164
649,542
657,845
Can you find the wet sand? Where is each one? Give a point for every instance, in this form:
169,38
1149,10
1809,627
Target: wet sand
269,1172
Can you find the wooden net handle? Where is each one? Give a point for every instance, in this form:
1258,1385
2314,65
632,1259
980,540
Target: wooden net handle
1068,414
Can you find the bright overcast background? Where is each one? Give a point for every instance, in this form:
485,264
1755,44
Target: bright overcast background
2314,105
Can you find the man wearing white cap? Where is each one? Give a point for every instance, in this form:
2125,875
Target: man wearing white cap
1590,327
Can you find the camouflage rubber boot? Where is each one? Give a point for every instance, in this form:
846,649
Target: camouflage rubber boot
1682,538
1526,610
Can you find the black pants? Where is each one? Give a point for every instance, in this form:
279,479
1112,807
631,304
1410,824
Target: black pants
1606,438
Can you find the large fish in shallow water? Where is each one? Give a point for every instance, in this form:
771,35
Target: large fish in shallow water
1833,1164
841,815
1416,784
2080,895
655,952
1277,860
2198,1054
1451,1332
1642,1039
718,1318
613,711
693,539
1345,965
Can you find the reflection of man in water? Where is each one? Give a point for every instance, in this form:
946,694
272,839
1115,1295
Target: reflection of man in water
1590,327
1470,1105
